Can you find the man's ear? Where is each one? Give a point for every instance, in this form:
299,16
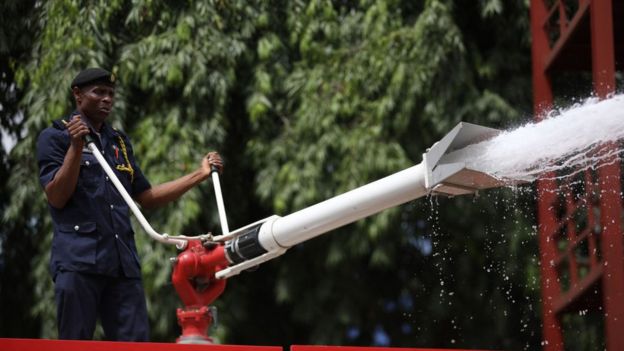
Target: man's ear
77,93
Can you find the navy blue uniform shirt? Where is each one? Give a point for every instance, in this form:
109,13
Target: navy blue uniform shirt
92,233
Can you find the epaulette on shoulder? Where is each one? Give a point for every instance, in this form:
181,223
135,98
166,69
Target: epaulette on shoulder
120,133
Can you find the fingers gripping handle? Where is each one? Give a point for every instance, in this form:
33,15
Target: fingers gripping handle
217,187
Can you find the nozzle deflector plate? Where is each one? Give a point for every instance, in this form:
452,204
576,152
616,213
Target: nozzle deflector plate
455,178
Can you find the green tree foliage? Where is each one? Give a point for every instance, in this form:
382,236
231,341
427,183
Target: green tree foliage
305,100
17,237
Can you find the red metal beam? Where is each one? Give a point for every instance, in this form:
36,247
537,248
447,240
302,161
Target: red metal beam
542,91
354,348
572,237
542,100
603,51
565,35
76,345
79,345
563,301
603,69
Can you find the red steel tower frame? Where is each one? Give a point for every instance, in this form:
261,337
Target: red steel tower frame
580,220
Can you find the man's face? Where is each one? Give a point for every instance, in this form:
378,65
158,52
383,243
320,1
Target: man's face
95,101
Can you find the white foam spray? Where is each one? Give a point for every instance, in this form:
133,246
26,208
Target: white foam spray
565,140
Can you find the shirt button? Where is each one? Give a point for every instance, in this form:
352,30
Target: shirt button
116,236
87,163
112,206
107,179
76,228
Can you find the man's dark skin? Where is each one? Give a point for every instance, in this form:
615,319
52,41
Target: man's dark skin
95,102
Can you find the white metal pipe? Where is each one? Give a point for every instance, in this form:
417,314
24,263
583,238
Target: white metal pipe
163,238
220,206
271,237
364,201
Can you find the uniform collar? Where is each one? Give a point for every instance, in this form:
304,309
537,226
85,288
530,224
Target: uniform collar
108,130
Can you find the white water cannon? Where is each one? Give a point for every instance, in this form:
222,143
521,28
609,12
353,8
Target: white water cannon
266,239
273,236
211,259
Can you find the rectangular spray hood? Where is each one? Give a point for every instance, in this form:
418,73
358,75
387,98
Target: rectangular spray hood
455,178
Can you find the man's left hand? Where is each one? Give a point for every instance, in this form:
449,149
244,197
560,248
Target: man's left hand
212,159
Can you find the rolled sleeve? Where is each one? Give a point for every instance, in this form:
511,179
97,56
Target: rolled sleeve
52,146
140,183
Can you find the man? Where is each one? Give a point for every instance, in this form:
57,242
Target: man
94,261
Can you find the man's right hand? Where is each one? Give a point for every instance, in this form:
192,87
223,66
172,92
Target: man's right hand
62,186
77,129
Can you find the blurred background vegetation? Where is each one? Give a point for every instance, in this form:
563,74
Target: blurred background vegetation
305,100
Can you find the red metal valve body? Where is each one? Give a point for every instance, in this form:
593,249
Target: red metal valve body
194,280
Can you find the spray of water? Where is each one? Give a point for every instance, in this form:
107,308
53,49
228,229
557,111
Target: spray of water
569,139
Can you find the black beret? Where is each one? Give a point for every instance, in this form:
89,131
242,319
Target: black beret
93,76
